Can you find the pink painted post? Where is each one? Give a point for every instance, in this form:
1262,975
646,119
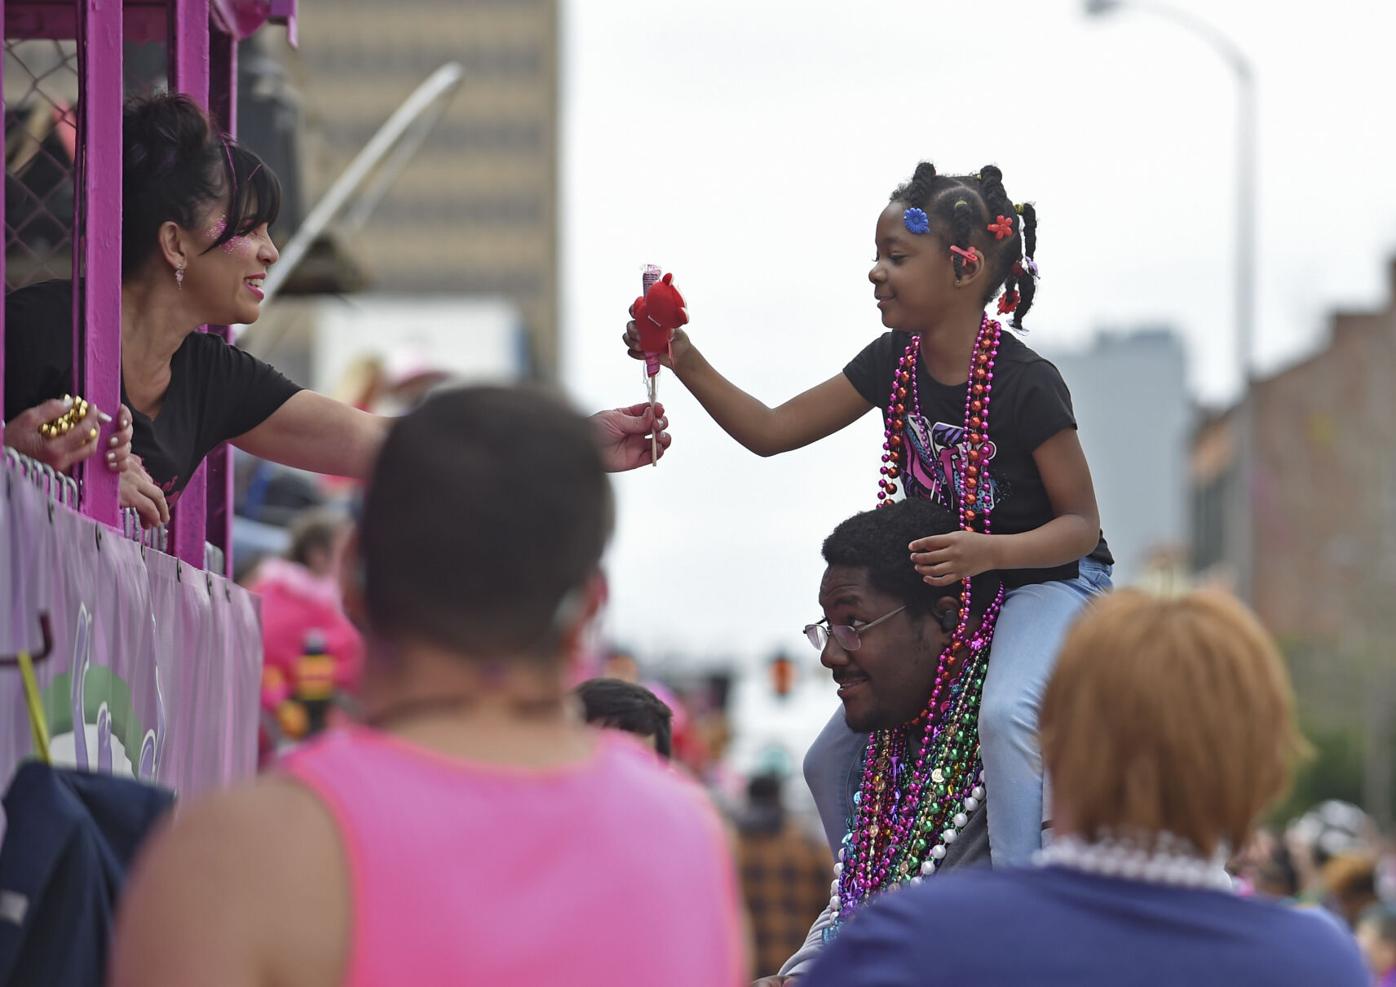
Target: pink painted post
32,19
223,91
97,241
2,250
188,73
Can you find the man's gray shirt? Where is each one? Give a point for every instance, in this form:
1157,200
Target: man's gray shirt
833,771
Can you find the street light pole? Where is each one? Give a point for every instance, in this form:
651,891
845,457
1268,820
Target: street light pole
1242,532
1246,445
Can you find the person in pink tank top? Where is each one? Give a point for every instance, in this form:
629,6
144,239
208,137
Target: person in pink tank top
473,830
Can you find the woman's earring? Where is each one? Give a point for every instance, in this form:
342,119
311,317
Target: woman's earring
179,278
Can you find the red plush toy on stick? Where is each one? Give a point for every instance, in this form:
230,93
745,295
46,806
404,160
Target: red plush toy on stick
658,312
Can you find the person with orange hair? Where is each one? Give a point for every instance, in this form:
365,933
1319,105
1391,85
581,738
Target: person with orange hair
1167,728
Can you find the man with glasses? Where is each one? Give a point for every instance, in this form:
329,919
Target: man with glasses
882,632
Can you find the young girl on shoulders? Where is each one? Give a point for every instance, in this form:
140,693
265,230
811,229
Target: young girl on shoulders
974,420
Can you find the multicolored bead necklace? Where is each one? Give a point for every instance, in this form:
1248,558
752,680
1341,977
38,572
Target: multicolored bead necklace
912,803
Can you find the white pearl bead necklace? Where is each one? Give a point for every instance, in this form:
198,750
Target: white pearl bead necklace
1172,862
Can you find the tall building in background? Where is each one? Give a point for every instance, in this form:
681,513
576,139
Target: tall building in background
1130,395
475,211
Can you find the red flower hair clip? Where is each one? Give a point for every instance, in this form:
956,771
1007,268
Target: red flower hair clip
971,255
1008,302
1002,227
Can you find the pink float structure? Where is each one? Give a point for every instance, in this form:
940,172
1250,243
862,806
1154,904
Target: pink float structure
200,39
145,662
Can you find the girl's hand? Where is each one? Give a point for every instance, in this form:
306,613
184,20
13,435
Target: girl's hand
62,451
679,346
945,559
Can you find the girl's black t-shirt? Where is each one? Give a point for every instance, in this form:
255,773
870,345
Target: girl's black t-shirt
1030,405
217,392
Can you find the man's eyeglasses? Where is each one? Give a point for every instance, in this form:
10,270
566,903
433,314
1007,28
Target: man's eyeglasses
848,638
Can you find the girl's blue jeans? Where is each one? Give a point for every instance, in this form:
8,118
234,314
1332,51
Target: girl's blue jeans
1031,627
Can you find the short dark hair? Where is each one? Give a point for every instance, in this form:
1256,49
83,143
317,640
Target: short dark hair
1278,872
175,162
487,512
765,788
877,541
313,530
629,707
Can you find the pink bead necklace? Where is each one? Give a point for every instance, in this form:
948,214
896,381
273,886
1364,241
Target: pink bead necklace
913,801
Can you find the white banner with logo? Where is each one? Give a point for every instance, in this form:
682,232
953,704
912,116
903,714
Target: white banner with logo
155,666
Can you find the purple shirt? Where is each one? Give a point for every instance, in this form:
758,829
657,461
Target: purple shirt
1052,927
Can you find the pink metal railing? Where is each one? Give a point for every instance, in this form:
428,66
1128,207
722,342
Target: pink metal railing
189,68
97,233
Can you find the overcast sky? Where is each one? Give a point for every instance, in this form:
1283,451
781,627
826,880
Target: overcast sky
749,146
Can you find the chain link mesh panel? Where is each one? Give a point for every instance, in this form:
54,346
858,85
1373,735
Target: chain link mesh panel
41,144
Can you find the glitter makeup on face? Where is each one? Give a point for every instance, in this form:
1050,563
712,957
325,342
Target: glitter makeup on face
232,244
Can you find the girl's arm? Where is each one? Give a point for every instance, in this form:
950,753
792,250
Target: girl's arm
1071,534
822,410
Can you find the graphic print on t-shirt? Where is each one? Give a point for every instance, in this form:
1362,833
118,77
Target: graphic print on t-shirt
938,468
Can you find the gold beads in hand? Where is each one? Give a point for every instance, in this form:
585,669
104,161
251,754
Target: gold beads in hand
67,421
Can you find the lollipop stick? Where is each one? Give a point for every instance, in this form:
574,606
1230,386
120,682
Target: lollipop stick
654,413
651,273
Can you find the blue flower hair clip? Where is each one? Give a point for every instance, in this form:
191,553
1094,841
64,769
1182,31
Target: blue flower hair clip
915,220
